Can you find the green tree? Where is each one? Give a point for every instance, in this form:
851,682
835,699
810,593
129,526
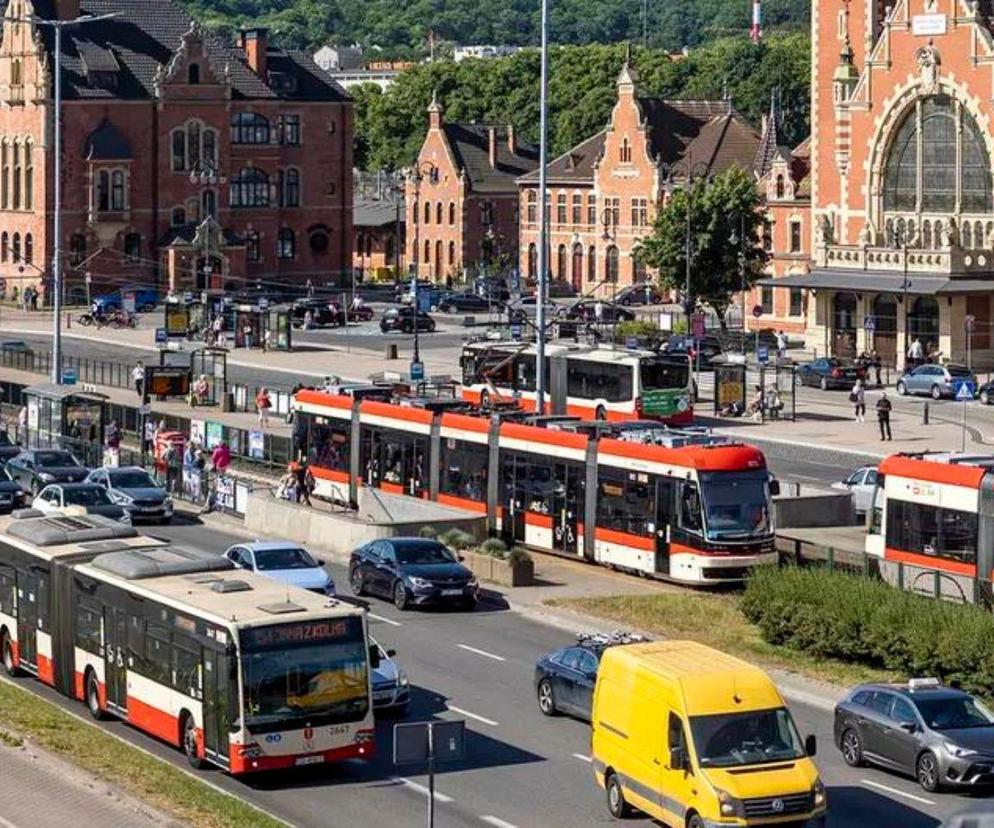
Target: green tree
719,211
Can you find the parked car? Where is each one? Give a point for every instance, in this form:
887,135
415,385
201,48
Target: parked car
58,498
985,393
391,687
828,372
363,313
709,346
15,346
8,448
412,571
12,496
135,489
453,302
564,678
862,483
492,287
402,319
283,561
586,311
937,381
36,468
639,295
942,736
146,298
323,312
560,289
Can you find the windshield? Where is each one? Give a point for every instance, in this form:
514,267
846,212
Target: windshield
5,439
310,670
135,479
736,504
52,459
953,713
753,738
292,557
664,374
423,553
90,496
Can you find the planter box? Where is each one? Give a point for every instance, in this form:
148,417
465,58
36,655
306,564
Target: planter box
497,571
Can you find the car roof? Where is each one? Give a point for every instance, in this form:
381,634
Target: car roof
82,485
264,546
120,469
401,542
940,692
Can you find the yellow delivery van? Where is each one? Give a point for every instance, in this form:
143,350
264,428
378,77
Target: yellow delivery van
699,739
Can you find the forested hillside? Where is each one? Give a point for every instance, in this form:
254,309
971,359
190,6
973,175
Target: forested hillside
399,27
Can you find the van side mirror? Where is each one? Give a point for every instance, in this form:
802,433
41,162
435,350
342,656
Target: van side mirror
811,744
774,487
374,656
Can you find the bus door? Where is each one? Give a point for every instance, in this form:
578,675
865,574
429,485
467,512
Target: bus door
115,659
216,704
27,620
665,518
567,495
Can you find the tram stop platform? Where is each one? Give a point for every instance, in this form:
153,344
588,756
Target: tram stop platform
836,546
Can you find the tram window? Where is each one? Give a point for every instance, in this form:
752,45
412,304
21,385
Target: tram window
625,503
393,456
329,444
690,507
8,588
930,530
464,469
88,629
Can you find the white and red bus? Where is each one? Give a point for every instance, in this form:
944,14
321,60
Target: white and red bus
933,524
638,496
225,665
584,381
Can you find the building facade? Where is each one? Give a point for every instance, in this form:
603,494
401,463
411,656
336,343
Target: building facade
379,250
462,202
188,162
902,211
603,193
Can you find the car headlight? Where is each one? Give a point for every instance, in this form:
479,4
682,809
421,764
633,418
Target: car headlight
818,792
402,680
730,806
473,582
329,588
418,583
45,477
167,503
120,498
959,752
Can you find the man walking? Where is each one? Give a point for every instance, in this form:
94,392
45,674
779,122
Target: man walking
781,345
883,416
138,378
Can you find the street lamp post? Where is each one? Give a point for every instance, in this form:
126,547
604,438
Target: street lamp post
902,240
420,169
739,240
543,224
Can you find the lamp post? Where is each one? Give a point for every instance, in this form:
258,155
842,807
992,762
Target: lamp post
686,175
417,173
543,224
902,240
739,240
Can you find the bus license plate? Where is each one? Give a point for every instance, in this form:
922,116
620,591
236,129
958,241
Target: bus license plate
451,592
309,760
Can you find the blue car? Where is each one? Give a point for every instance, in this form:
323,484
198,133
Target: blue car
283,561
146,298
937,381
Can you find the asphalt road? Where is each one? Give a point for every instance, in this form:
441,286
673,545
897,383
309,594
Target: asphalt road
522,769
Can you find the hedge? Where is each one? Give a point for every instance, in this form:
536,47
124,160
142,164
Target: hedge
832,614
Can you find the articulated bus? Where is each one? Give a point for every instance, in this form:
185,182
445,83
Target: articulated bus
583,381
933,524
227,666
638,496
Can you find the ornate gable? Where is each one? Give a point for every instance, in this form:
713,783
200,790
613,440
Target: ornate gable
191,67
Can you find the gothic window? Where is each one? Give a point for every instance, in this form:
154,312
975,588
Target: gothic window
249,128
17,175
4,175
17,247
427,212
591,264
179,150
780,186
611,264
626,151
250,188
561,263
922,172
286,244
452,254
29,248
193,74
133,247
29,176
452,213
193,143
253,246
320,243
532,261
103,191
4,246
117,192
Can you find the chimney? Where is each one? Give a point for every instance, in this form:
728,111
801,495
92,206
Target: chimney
512,145
256,45
493,146
67,9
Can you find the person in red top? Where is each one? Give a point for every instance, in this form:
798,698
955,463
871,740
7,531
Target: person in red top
221,458
263,404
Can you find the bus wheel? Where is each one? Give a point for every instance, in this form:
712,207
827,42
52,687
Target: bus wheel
190,743
93,696
8,656
600,413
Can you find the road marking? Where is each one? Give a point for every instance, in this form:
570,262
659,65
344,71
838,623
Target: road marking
497,822
6,824
483,653
385,620
897,792
582,758
421,789
469,715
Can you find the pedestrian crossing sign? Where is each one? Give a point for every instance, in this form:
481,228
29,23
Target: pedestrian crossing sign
964,391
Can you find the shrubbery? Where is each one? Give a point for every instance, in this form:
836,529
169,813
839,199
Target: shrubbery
854,618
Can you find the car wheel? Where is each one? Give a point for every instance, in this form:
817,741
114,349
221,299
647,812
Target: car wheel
8,656
695,821
93,696
400,596
902,389
851,746
616,804
546,698
431,327
357,582
927,772
936,392
985,398
451,309
823,384
190,744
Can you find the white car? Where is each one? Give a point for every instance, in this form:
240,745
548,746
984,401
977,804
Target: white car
86,498
861,483
391,687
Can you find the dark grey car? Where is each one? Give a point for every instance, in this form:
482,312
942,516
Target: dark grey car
36,468
941,736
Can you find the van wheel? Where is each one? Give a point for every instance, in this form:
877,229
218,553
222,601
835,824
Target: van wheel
8,656
695,821
190,744
616,799
93,696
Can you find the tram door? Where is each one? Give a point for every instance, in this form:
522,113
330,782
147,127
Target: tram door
665,522
27,620
514,496
567,500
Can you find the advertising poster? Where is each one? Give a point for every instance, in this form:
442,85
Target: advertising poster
197,432
257,445
191,484
215,434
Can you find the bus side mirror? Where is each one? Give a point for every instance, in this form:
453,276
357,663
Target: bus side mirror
774,487
811,744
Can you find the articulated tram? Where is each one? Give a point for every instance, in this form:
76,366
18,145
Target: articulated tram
636,496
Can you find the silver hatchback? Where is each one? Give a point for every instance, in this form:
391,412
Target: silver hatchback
937,381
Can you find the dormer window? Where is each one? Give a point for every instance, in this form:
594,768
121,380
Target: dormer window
626,151
193,74
779,186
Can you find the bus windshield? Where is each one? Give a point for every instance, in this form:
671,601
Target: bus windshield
310,670
663,374
736,504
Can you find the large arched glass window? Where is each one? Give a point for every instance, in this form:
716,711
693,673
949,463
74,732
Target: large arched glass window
250,188
938,161
611,264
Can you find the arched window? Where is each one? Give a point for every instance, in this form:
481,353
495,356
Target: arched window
291,188
250,188
249,128
77,248
208,148
885,314
427,252
17,175
17,247
779,188
253,246
177,217
438,213
427,213
452,213
923,322
29,248
286,244
4,246
438,257
611,264
532,211
117,192
626,151
561,263
967,236
179,150
193,143
320,243
133,247
638,270
591,264
193,74
844,312
16,74
103,191
577,272
29,177
532,261
953,161
4,175
452,254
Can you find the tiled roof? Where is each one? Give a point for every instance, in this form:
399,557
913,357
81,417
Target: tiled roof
470,143
376,212
184,235
800,168
724,141
106,143
143,37
577,165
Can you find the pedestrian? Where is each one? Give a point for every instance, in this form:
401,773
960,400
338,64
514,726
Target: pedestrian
262,404
303,480
112,440
310,289
877,364
190,455
883,416
221,457
34,299
308,319
22,424
598,311
756,406
858,398
916,353
781,344
138,378
247,335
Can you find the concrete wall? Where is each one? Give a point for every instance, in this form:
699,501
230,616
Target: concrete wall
814,508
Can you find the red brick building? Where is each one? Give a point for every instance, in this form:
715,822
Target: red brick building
604,192
187,161
463,213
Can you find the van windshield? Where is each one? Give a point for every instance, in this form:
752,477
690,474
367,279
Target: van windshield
754,738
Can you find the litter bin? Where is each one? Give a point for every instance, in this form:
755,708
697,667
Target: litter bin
391,350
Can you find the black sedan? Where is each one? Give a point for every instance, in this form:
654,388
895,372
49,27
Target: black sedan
828,372
12,496
709,347
402,319
639,295
412,572
586,311
36,468
8,448
462,302
323,313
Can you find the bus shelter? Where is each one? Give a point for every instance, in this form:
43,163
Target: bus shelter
209,368
63,416
279,335
184,317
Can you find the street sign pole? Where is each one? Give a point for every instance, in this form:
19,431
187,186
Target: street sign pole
964,393
431,776
969,323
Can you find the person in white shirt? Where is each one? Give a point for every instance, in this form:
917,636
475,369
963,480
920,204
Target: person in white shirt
138,378
781,344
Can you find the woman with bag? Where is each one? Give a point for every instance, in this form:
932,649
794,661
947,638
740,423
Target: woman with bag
263,403
858,398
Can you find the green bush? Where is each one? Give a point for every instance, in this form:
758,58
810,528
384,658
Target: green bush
853,618
518,555
642,329
494,547
427,532
456,539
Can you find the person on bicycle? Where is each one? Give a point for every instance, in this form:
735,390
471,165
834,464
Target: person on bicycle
97,311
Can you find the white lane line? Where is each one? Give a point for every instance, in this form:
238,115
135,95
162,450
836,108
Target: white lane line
385,620
421,789
469,715
5,824
497,822
483,653
897,792
582,758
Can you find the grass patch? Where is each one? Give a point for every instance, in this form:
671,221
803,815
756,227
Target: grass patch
151,780
715,620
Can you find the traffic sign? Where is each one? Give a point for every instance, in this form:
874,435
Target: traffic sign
870,324
969,322
757,311
417,370
631,343
763,354
515,330
161,336
965,390
263,303
69,376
